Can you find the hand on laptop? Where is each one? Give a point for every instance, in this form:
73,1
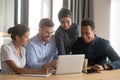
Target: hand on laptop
50,65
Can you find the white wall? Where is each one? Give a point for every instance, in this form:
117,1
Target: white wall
102,17
9,14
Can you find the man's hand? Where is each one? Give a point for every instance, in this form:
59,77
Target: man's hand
97,67
100,67
50,65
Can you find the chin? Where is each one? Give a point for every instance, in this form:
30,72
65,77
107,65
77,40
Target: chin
66,28
86,42
24,45
47,40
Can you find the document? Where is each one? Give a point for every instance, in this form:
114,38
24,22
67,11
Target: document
37,75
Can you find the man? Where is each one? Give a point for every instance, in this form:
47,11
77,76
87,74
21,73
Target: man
96,49
41,50
67,32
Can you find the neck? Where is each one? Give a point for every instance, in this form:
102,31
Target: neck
17,46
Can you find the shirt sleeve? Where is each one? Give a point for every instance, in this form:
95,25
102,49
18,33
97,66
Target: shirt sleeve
60,43
114,58
31,58
78,31
56,54
112,55
5,53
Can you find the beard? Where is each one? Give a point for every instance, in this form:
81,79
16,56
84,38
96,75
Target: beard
46,38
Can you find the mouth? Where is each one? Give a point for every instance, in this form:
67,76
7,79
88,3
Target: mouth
85,40
66,28
48,38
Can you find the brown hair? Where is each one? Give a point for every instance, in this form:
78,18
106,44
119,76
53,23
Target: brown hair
46,22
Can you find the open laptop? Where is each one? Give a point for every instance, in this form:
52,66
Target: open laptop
70,64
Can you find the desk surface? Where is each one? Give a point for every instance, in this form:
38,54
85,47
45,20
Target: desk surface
103,75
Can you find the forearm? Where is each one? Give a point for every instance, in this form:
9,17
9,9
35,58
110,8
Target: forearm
30,71
114,65
27,71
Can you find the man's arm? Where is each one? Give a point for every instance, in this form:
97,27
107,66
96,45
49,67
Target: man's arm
114,58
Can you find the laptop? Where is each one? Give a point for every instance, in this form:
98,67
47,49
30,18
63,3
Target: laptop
69,64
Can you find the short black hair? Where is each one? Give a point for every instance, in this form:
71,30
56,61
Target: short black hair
64,12
18,29
46,22
88,22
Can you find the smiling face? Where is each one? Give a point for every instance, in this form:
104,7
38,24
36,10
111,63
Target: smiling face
23,40
45,34
87,34
65,22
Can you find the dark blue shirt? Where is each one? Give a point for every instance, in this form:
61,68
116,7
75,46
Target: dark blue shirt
66,38
97,52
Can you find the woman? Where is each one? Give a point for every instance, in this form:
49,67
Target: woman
66,33
13,54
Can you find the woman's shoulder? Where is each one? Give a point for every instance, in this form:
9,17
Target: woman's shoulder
6,45
59,31
75,26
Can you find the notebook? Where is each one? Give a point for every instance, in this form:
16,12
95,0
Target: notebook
69,64
37,75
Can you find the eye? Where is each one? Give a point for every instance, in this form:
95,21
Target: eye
88,33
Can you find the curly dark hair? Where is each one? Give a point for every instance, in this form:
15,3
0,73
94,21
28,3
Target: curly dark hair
64,12
88,22
18,29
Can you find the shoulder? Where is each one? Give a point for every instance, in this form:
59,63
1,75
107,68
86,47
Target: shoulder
59,30
79,41
7,50
6,46
75,28
75,25
102,41
34,39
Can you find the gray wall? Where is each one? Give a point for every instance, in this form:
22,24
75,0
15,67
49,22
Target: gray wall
102,17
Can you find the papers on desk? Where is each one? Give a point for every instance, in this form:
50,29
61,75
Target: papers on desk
37,75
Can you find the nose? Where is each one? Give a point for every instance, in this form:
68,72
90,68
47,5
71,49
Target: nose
65,24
